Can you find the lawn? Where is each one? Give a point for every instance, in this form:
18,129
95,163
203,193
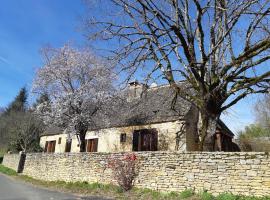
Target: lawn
116,192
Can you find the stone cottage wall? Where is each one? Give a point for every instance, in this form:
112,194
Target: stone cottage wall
109,138
14,161
239,173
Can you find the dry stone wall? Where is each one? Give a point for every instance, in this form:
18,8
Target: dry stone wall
14,161
238,173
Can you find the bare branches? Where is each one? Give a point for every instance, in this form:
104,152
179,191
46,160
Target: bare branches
216,46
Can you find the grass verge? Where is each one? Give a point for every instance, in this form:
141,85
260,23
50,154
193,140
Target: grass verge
2,152
7,171
108,190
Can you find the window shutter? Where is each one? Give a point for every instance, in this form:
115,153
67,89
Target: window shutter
53,146
135,141
154,144
46,146
95,141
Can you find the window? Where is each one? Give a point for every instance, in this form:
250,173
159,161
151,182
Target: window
92,145
123,137
145,140
59,140
68,145
50,146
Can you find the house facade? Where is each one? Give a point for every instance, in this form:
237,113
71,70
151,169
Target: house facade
142,119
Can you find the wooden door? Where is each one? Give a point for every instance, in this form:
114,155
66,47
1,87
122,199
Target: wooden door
68,146
145,140
92,145
51,146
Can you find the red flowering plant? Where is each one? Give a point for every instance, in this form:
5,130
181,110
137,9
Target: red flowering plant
124,170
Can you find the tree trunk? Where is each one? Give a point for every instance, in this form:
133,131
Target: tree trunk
207,131
192,133
82,134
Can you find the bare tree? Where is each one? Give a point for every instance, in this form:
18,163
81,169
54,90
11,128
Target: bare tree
76,82
262,109
219,47
23,130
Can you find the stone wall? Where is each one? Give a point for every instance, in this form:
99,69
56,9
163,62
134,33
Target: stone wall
14,161
239,173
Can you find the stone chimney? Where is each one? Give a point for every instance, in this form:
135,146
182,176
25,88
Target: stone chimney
136,89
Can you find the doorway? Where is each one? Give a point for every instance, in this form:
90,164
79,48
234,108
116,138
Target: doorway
92,145
145,140
50,146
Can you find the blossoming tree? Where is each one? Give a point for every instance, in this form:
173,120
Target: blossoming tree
77,82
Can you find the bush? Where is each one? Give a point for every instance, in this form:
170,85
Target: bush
227,196
186,194
206,196
124,170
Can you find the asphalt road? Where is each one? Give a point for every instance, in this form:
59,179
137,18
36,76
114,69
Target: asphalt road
12,189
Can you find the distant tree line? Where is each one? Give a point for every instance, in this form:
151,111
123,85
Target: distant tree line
256,137
19,127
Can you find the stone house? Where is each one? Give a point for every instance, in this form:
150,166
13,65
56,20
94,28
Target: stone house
141,119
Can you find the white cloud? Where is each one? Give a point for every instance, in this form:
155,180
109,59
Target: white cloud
4,60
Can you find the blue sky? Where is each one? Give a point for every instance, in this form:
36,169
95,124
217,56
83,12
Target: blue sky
27,25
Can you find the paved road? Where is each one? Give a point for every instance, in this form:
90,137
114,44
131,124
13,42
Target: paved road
11,189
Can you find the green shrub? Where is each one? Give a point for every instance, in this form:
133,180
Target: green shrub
227,196
206,196
186,194
173,195
156,194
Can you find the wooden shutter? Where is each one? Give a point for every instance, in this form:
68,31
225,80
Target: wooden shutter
92,145
46,146
53,146
49,147
154,140
95,145
145,140
88,146
135,146
68,146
